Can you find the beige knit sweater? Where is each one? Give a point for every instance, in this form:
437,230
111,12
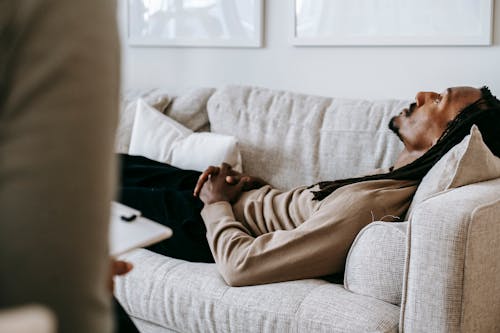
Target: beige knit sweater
270,236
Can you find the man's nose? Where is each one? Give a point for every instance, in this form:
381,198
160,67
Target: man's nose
424,96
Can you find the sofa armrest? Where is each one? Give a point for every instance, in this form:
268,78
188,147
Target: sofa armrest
452,274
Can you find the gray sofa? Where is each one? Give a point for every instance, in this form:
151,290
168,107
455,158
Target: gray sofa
437,272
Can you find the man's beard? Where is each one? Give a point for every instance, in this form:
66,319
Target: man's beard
393,127
406,113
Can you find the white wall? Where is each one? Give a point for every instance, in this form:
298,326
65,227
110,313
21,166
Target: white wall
359,72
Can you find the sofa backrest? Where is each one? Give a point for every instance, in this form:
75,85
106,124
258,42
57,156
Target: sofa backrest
292,139
188,108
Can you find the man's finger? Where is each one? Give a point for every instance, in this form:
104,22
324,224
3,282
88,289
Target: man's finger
248,184
225,168
121,267
241,184
211,170
232,179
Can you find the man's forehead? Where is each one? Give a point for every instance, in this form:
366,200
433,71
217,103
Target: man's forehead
461,97
463,92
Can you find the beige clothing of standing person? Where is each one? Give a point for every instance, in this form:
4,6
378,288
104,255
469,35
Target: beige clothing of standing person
59,71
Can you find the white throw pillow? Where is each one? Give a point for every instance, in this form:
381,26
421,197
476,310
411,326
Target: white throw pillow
469,162
160,138
199,150
156,98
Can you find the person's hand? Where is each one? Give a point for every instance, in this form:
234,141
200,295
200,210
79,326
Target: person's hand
118,267
233,177
215,188
251,182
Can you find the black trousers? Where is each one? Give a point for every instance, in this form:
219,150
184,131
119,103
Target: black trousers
164,194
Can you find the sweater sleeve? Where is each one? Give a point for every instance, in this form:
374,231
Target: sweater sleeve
317,247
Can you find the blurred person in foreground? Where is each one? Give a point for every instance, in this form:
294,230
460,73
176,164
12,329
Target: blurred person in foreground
59,70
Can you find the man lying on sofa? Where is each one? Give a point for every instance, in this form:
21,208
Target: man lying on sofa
258,234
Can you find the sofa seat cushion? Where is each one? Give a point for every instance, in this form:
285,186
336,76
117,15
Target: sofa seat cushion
192,297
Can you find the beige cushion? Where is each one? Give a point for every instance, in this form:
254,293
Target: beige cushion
188,108
375,263
469,162
291,139
192,297
157,99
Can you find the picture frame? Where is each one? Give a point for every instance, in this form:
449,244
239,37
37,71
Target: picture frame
391,22
194,23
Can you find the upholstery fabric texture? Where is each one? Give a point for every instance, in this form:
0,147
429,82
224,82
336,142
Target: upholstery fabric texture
452,276
188,108
145,326
192,297
469,162
306,138
375,263
156,98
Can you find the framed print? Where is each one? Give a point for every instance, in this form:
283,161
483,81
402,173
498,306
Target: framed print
195,23
392,22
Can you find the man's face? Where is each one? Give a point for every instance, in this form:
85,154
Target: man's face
423,123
